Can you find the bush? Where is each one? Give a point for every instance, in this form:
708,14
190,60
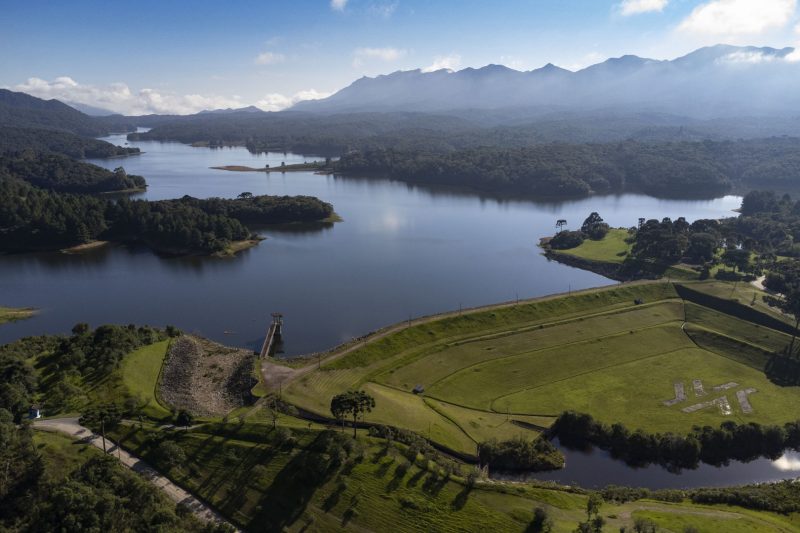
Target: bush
520,454
170,454
566,240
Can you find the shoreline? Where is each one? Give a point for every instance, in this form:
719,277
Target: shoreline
85,247
288,168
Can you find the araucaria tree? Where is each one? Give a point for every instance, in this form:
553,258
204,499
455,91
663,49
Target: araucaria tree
352,403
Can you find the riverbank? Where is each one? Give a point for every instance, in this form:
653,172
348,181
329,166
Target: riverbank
9,314
85,247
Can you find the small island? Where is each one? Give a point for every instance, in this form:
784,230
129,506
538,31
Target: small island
296,167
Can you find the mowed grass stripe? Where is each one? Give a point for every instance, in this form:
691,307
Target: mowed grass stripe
480,385
633,393
764,337
470,324
483,425
442,363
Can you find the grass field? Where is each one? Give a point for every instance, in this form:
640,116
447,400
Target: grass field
9,314
610,249
61,453
506,372
140,371
262,486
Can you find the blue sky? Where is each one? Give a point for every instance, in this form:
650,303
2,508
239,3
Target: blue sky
170,56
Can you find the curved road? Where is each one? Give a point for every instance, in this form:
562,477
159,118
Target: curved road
71,427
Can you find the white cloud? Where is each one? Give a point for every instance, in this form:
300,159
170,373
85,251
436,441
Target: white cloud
360,55
383,9
636,7
338,5
753,57
118,97
738,17
269,58
277,101
448,62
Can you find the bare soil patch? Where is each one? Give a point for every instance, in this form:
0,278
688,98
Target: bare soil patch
206,378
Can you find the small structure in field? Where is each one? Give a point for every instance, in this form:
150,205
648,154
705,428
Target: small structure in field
419,389
34,412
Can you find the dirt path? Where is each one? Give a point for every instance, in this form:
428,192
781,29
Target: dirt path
275,375
71,427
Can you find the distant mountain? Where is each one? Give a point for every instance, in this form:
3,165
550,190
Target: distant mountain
231,111
23,110
20,110
717,81
90,110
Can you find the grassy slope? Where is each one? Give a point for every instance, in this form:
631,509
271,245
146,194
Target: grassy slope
594,352
9,314
367,366
61,453
140,371
610,249
260,486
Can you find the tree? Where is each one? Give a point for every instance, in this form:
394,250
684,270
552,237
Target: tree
245,196
541,523
354,403
560,223
736,258
594,227
276,408
184,418
102,416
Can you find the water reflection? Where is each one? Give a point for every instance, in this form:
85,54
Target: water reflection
401,250
595,468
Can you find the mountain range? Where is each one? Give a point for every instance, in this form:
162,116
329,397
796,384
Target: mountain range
716,81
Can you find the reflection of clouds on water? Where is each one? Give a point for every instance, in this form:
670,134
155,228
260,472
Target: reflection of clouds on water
388,222
788,463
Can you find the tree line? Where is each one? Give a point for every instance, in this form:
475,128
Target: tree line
60,173
17,139
38,219
715,446
58,370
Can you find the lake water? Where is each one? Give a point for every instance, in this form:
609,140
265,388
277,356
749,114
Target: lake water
596,469
400,251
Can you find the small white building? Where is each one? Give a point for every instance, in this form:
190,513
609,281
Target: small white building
34,412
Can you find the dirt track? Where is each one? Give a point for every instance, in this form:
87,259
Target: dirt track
71,427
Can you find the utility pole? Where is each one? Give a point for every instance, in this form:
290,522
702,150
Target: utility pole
103,433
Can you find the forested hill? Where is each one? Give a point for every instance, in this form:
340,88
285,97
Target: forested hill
22,110
14,139
36,219
700,169
60,173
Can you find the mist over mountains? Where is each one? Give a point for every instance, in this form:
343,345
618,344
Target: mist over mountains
717,81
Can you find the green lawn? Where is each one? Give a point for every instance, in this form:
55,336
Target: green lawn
259,485
62,454
140,371
595,352
9,314
610,249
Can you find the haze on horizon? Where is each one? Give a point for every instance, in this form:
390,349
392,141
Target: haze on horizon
166,59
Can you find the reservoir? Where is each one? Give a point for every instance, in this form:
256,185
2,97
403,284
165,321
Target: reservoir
400,251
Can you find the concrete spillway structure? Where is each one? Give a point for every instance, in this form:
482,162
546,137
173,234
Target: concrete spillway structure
274,334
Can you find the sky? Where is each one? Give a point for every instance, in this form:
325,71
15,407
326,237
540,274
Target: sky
171,56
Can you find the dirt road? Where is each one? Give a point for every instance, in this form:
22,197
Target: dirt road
71,427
